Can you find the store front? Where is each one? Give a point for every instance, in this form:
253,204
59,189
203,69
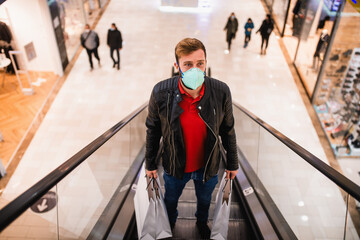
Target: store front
92,9
337,94
31,35
45,32
305,26
69,18
322,39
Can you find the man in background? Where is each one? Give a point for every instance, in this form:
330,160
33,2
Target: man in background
114,41
90,41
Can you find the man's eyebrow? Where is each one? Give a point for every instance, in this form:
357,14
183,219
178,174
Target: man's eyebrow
195,61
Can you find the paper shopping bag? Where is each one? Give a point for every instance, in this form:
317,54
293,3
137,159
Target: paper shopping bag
163,229
145,207
222,210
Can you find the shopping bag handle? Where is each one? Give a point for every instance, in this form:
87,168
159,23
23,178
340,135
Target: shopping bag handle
156,188
150,187
227,190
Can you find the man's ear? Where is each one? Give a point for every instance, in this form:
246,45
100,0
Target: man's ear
176,66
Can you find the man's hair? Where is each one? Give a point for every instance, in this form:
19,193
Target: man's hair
187,46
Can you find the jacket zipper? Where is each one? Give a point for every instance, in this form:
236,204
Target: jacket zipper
171,140
212,148
167,118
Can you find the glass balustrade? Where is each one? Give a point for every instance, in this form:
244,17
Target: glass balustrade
81,197
312,205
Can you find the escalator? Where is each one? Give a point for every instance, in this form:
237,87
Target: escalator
262,207
185,228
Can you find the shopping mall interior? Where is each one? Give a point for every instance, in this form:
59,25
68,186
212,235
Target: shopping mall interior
296,111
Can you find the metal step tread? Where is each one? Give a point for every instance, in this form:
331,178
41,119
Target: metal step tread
188,209
186,229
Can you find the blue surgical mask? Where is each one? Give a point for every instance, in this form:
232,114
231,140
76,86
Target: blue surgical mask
193,78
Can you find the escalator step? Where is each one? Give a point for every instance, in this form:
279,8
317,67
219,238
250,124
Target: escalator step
186,229
186,210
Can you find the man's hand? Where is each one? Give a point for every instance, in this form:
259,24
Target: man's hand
151,174
230,174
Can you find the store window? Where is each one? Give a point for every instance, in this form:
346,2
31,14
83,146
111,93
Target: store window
314,37
280,10
337,96
103,2
92,10
70,18
291,29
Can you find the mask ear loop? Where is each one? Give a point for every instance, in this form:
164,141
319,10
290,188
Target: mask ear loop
179,69
181,75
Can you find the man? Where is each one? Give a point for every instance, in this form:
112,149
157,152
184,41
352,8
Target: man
90,41
114,41
190,112
231,28
265,30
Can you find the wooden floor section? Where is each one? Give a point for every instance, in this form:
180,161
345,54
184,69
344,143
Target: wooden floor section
17,110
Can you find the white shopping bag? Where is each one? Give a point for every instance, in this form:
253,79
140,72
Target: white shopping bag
163,229
151,216
222,210
144,203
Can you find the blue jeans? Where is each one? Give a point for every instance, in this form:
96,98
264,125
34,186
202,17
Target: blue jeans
174,188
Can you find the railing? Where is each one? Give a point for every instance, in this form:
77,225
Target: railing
305,192
305,189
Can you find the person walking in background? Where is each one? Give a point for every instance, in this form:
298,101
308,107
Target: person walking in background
90,41
231,28
265,30
249,25
114,41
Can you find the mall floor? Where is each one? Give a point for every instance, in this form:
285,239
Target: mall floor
90,102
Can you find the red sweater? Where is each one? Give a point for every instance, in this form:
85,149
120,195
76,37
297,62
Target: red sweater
194,131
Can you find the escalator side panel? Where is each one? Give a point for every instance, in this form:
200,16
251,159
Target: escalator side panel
255,209
273,214
124,218
115,205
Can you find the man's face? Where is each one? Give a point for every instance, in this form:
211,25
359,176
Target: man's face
194,59
87,27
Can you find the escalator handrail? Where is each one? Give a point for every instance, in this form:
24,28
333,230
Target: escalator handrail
343,182
20,204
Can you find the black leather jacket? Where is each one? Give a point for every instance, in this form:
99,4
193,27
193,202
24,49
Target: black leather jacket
215,108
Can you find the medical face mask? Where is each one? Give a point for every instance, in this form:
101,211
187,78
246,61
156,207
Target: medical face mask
193,78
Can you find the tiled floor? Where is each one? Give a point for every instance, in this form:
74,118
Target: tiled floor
89,103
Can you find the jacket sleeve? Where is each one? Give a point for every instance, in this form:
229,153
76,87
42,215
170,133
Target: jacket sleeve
153,134
108,38
97,40
227,25
120,40
227,133
82,40
261,27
